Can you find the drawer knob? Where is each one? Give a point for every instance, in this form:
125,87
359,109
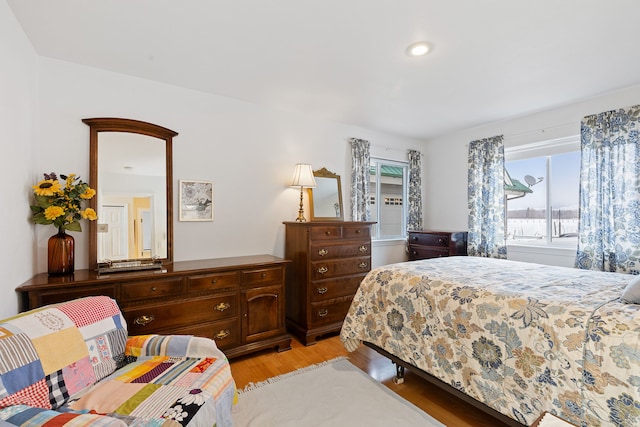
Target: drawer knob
153,289
214,281
222,334
414,252
328,233
222,306
323,270
143,320
363,265
414,238
323,252
323,312
440,240
263,275
358,231
322,290
363,249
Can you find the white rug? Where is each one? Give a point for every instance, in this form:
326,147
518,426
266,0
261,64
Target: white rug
335,394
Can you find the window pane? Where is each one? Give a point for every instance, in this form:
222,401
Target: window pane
565,177
373,198
387,198
527,200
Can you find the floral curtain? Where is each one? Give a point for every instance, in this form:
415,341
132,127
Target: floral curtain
486,198
414,214
609,227
360,165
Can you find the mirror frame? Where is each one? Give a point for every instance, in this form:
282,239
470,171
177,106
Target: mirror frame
110,124
324,173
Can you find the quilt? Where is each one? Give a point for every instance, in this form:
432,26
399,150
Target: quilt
522,338
73,364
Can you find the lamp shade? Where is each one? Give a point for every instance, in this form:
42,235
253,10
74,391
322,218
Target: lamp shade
303,176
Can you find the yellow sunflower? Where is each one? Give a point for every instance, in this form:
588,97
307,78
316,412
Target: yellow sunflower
47,187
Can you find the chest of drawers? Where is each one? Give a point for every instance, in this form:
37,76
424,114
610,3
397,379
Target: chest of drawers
435,244
239,301
329,260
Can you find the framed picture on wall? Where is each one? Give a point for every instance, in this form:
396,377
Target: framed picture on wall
196,200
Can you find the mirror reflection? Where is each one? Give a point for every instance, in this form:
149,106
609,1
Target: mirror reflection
132,173
132,220
325,200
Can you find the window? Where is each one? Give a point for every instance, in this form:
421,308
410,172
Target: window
388,184
542,190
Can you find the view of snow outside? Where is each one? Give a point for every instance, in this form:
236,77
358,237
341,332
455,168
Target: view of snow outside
527,216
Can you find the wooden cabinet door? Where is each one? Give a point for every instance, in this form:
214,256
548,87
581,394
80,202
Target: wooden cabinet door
263,313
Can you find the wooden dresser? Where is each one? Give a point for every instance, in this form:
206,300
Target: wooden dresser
434,244
237,301
329,260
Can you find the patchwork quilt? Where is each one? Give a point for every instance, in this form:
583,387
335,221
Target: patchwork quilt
73,364
522,338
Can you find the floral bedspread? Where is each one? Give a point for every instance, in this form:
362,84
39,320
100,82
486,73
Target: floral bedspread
522,338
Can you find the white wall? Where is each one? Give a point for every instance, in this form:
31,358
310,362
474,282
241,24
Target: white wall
445,161
17,120
248,151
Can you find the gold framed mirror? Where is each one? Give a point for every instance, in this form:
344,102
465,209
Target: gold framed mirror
131,169
325,200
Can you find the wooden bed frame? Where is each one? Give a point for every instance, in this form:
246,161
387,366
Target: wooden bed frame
401,365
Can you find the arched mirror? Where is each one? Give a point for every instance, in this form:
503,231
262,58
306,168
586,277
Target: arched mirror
325,200
131,171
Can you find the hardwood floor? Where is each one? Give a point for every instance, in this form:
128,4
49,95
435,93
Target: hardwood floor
447,409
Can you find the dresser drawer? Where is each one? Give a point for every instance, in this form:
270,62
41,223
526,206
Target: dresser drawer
334,288
424,252
324,314
339,267
326,250
204,282
329,232
356,232
226,333
264,276
425,239
151,289
153,318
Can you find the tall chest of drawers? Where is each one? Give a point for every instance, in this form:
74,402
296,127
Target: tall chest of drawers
329,260
237,301
436,244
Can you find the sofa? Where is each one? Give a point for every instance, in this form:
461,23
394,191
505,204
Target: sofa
74,364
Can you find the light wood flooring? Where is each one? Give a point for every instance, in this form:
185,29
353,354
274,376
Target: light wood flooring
447,409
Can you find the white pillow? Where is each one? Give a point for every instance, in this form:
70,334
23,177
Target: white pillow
631,294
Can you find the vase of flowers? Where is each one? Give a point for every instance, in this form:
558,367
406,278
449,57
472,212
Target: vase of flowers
60,204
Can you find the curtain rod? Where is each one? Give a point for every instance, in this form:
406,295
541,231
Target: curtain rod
541,130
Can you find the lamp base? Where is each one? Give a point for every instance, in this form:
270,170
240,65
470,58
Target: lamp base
301,217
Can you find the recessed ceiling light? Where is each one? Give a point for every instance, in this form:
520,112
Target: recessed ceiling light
418,49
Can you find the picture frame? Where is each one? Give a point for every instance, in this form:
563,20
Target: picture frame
196,200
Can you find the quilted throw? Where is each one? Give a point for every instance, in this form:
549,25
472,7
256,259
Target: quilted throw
73,364
522,338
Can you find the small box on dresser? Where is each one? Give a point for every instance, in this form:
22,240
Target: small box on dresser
435,244
329,260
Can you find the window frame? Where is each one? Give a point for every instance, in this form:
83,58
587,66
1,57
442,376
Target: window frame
546,149
376,228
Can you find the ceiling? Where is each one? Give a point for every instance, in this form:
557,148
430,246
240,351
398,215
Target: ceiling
344,60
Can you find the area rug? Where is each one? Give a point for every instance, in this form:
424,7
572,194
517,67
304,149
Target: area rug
335,393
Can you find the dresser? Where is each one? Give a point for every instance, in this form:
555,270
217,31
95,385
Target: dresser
237,301
434,244
329,260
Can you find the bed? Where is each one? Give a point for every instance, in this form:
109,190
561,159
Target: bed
519,338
